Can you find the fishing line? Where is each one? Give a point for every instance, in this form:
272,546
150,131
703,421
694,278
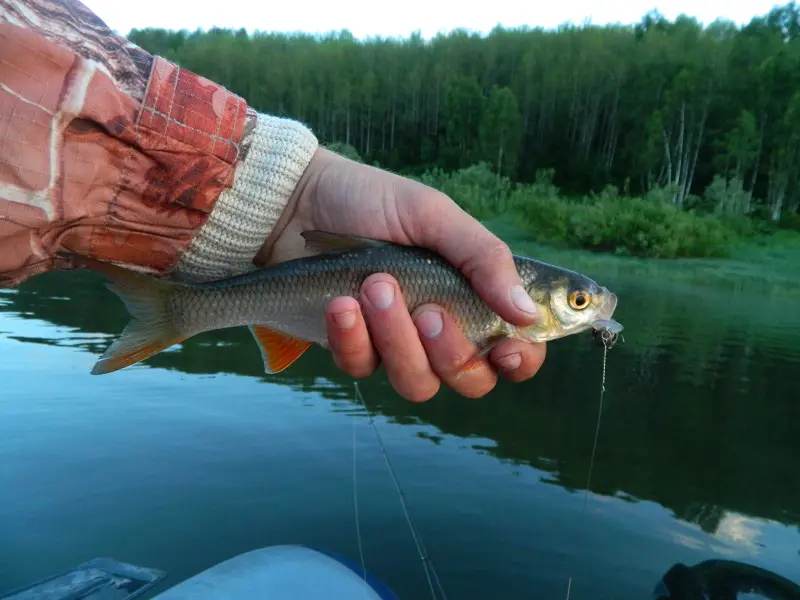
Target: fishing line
355,505
427,562
597,427
608,339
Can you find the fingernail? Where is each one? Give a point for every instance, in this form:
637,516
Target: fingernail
430,324
345,320
510,362
381,294
523,301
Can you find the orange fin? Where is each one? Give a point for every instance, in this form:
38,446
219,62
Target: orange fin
278,350
475,362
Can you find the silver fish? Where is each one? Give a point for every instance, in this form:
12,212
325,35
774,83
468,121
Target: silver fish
283,305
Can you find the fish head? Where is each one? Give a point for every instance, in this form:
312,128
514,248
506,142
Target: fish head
568,303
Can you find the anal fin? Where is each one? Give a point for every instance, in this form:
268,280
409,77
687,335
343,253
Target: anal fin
278,350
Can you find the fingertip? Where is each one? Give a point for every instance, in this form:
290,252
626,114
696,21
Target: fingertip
453,358
528,312
343,311
494,275
348,338
396,340
509,362
518,360
429,321
380,291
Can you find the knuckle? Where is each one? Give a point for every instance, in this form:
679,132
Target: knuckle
452,355
451,366
498,251
488,258
351,351
356,358
430,214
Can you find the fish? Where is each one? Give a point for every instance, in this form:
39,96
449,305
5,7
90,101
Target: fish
283,305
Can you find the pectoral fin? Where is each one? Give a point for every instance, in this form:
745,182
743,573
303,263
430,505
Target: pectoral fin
473,363
278,350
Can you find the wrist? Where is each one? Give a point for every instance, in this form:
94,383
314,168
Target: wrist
299,208
250,210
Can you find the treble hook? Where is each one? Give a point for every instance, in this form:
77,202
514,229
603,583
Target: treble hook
607,332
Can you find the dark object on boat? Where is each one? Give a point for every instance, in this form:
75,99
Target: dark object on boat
723,580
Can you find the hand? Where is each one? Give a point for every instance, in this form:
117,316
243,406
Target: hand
422,350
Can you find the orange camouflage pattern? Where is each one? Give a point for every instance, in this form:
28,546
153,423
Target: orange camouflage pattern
105,151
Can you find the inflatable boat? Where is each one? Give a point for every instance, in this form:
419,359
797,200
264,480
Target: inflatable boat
304,573
271,573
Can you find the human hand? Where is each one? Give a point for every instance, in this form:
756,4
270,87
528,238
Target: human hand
419,351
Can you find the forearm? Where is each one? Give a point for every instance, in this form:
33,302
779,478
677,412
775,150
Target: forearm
122,156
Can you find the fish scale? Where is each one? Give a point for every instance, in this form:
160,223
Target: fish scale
297,291
284,305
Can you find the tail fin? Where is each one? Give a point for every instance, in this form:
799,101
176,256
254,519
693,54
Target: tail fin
150,329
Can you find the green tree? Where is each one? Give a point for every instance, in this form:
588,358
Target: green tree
656,105
501,131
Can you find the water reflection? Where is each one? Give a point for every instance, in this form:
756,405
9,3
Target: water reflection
701,405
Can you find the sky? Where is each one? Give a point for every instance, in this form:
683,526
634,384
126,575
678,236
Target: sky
400,19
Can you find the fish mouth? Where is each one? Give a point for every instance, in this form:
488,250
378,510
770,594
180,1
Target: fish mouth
605,322
611,304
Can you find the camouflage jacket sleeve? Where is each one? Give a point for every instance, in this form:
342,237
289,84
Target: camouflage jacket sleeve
115,154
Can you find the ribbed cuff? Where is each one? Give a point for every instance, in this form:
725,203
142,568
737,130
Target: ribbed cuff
245,214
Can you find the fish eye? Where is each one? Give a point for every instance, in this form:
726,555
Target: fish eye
579,299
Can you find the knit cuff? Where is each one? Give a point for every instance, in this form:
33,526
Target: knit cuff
246,213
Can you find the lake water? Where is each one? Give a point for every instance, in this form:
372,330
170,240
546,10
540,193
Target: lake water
196,456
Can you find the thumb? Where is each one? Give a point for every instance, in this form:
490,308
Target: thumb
434,221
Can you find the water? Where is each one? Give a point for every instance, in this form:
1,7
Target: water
196,456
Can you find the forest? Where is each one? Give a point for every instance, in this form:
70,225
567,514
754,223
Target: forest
660,138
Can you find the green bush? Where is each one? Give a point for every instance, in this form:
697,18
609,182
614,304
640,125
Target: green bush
790,221
545,217
476,189
621,225
605,221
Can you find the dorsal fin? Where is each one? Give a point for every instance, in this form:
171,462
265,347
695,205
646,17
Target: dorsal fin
324,241
278,350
